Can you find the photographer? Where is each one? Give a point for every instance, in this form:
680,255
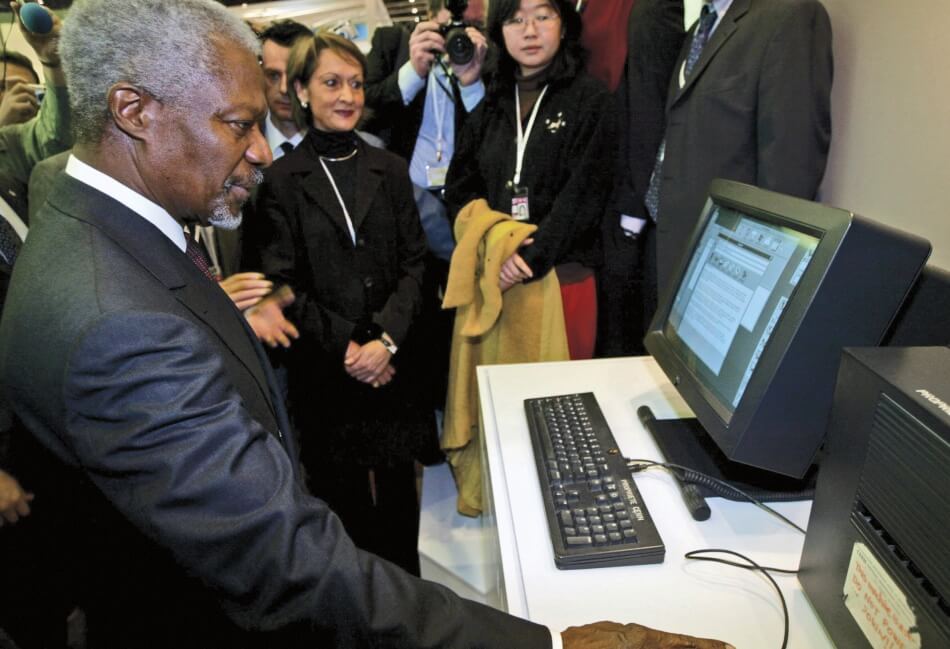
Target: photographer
19,97
403,73
420,99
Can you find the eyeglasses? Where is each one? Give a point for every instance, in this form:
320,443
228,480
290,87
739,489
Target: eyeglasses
540,20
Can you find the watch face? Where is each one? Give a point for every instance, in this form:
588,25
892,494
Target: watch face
389,345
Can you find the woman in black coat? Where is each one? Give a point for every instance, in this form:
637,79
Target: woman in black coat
563,180
336,221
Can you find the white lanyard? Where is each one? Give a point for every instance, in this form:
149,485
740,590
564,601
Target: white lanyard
523,136
346,213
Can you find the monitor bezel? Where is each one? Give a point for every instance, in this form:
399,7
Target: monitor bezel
727,425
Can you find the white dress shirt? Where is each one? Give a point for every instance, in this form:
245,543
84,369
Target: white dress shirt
151,212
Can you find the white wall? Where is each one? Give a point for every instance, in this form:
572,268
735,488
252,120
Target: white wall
891,116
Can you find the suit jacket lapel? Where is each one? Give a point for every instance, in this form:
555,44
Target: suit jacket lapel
153,250
317,187
368,178
726,28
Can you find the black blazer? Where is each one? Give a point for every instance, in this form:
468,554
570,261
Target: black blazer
756,109
187,522
342,291
392,120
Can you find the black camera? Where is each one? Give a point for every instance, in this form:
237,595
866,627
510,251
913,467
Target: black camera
458,45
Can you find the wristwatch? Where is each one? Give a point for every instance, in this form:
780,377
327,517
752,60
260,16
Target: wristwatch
388,343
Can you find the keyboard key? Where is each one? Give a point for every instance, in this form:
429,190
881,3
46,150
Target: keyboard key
579,540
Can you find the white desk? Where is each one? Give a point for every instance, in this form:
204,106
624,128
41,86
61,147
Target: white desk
698,598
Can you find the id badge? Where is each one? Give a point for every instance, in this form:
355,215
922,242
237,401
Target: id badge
519,204
435,175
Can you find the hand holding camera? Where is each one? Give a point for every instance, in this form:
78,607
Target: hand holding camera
465,45
20,103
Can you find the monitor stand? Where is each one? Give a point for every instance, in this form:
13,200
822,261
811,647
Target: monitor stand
685,442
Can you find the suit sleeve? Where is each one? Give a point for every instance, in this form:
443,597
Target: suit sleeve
655,37
580,205
161,431
794,116
275,246
383,96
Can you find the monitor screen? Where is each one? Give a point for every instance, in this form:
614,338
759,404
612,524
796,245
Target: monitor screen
734,292
769,291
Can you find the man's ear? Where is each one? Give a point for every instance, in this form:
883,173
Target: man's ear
133,110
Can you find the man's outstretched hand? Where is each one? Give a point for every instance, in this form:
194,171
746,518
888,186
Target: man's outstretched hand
612,635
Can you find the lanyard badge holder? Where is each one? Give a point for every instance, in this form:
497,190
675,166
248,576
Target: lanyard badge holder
520,205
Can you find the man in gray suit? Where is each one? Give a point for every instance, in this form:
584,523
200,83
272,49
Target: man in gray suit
152,403
751,104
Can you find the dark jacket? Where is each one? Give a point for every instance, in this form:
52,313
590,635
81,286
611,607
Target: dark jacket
163,432
344,290
756,108
568,168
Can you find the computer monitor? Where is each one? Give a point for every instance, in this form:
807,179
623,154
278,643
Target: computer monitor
751,328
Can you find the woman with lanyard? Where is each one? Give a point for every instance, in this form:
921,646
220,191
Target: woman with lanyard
337,223
541,146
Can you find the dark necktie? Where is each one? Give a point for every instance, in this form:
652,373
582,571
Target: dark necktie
10,242
197,256
700,37
286,147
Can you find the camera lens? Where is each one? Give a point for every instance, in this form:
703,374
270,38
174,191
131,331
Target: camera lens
459,46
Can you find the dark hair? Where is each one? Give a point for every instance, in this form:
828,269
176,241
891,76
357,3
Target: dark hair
7,56
303,61
285,32
435,6
568,61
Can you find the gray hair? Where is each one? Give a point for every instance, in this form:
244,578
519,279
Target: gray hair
166,47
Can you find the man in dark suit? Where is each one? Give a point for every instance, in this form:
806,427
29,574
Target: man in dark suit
282,132
151,402
627,289
753,107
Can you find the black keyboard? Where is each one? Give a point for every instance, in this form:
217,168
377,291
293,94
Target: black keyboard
596,515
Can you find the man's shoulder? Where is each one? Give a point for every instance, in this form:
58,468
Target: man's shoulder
772,9
389,36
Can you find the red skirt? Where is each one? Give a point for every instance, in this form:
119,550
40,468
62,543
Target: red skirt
580,315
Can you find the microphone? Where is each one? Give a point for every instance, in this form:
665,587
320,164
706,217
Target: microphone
35,18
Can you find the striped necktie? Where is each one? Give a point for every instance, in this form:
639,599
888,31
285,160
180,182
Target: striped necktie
197,256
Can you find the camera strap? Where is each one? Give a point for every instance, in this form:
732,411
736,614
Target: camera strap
438,113
524,134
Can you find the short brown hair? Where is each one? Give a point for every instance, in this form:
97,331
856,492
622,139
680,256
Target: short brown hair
303,61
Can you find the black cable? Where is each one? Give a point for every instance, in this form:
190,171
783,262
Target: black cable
693,554
690,475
